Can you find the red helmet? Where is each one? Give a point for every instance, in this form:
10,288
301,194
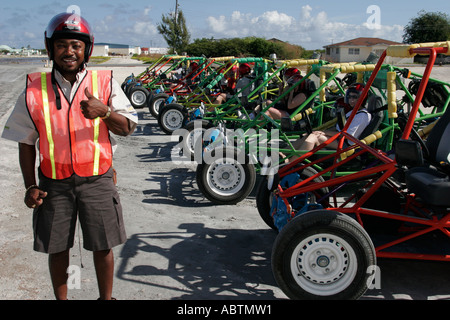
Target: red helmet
244,69
231,69
291,72
69,26
292,75
194,66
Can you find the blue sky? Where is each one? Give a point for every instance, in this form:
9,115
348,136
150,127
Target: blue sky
311,24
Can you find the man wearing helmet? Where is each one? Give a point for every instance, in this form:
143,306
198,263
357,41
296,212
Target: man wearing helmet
357,126
70,112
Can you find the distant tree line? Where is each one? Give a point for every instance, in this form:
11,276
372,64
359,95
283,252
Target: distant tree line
246,47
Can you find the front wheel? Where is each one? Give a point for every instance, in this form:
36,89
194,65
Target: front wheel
138,96
156,102
323,255
172,117
225,176
195,131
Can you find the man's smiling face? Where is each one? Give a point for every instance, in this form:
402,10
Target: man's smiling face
69,55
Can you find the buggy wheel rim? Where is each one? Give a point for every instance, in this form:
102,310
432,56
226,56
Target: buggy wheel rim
226,177
173,119
193,137
157,104
323,264
138,97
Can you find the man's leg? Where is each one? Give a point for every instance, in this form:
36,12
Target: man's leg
58,264
104,268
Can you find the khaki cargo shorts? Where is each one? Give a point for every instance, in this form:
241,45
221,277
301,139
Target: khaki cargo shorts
93,200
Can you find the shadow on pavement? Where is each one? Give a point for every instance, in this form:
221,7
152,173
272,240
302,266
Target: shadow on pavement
201,263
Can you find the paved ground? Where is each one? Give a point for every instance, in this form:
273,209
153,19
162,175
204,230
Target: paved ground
180,246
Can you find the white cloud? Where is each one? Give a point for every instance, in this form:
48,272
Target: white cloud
306,27
305,14
126,26
144,28
241,25
147,10
218,25
29,35
274,19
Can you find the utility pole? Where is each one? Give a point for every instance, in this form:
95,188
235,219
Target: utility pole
176,11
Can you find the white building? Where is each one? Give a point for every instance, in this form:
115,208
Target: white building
100,50
158,50
105,49
23,51
148,51
359,49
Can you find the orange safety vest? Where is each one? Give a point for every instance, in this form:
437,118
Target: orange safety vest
68,142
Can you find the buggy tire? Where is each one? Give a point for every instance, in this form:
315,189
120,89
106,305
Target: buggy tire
172,117
323,255
228,178
130,86
191,140
155,102
264,196
138,96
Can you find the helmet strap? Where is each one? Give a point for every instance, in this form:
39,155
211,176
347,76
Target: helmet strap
55,90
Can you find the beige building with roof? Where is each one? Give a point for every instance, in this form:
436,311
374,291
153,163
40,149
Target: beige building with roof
359,49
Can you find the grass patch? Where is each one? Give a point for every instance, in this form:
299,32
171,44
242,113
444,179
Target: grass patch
147,59
99,59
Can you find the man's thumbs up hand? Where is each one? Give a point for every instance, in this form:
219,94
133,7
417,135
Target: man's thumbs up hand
88,93
92,107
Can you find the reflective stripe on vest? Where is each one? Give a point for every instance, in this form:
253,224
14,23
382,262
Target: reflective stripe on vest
69,142
48,123
96,126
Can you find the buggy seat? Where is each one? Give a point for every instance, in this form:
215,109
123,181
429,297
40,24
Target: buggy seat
431,182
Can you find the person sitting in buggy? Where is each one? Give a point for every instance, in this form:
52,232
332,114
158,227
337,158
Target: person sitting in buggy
233,86
229,86
294,99
189,79
176,74
361,120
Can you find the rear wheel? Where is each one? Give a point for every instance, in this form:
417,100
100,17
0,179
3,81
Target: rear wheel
129,86
228,178
156,102
138,96
264,196
193,136
172,117
323,255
